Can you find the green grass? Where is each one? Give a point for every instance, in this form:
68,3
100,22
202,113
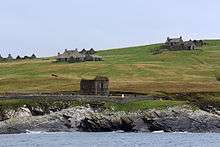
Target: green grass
143,105
46,104
133,69
14,103
201,100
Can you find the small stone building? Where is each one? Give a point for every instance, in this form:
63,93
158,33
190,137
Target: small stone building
97,86
174,42
179,44
75,56
71,56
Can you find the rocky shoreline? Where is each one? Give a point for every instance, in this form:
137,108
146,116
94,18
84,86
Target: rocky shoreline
87,119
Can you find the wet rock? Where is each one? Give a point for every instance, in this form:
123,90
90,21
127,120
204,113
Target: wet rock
177,119
141,126
37,111
12,113
22,112
182,120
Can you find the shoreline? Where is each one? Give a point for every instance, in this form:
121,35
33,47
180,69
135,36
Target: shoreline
87,119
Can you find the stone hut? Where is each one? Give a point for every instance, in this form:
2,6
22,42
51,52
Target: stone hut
71,56
75,56
172,42
179,44
97,86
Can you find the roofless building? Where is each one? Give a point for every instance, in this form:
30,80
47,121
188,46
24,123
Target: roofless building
97,86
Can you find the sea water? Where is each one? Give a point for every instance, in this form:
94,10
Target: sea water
110,140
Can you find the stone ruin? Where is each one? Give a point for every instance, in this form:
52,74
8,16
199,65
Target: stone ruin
72,56
97,86
10,57
179,44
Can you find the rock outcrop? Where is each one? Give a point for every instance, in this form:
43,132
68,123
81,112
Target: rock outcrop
176,119
18,113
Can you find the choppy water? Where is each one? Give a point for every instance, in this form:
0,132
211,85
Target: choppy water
110,140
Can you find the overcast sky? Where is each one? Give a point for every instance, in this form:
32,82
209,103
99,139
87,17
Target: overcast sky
45,27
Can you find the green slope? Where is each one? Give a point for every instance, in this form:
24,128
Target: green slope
132,69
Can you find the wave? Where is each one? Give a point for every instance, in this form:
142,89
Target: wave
34,132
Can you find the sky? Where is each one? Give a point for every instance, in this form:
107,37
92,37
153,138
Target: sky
46,27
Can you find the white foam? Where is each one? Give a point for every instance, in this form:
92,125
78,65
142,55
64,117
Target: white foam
161,131
34,132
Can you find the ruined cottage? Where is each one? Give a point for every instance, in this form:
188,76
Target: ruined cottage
97,86
71,56
179,44
10,58
75,56
174,42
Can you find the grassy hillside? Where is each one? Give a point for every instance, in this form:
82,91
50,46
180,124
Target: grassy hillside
132,69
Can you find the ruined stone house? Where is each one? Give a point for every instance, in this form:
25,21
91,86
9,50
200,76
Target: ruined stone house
75,56
71,56
179,44
97,86
174,42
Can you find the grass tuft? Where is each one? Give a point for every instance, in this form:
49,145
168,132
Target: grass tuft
143,105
